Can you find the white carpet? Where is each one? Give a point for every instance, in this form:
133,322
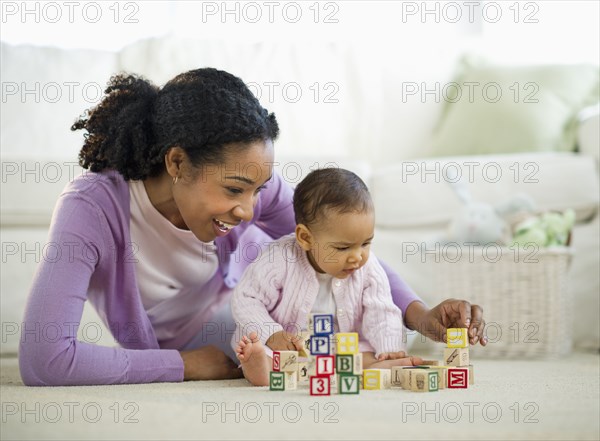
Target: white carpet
510,400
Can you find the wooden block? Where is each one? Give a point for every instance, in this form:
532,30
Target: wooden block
305,340
320,386
344,364
283,380
358,364
456,356
348,364
276,380
346,342
320,345
397,374
320,324
303,372
285,361
374,379
404,375
458,378
430,363
457,337
349,384
471,375
424,380
333,383
442,375
325,365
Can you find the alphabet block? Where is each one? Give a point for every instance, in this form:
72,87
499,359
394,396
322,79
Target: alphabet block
430,363
320,324
305,341
320,345
349,364
424,380
374,379
325,365
456,356
458,378
283,380
285,361
442,375
349,384
457,337
471,375
346,343
320,386
302,371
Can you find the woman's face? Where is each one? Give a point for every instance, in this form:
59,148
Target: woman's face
222,196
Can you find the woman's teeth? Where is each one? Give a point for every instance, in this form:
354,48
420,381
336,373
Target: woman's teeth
223,226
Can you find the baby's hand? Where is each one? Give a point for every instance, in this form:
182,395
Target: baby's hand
391,355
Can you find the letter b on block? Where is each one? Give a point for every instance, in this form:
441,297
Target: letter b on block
277,381
457,337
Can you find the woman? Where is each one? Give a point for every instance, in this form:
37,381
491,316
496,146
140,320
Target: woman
180,181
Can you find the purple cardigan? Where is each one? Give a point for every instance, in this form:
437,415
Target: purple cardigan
91,260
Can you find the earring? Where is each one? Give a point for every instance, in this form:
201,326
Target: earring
175,179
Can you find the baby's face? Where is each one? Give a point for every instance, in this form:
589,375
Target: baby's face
341,243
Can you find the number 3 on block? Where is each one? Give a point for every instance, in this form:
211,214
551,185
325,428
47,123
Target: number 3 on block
320,386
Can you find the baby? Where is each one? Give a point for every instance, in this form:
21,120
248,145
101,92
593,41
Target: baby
324,267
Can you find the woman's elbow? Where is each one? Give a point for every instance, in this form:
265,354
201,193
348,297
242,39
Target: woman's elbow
38,364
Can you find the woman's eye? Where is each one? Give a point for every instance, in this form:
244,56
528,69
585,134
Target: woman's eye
235,190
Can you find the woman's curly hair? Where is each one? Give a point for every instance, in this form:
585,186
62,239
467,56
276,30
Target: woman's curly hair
202,110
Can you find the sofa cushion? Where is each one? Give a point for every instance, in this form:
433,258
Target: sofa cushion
414,193
493,109
44,91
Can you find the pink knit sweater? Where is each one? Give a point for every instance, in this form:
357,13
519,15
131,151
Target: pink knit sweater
279,289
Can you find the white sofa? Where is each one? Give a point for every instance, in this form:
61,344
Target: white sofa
360,132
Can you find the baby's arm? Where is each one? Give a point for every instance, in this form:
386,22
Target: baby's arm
382,320
256,294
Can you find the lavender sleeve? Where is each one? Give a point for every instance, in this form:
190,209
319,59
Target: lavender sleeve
402,294
49,352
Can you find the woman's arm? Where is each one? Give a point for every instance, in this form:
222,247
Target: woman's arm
49,352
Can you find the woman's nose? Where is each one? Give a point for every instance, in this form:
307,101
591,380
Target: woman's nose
245,210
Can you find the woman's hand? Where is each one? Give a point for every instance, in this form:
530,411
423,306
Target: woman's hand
208,363
393,359
284,341
451,313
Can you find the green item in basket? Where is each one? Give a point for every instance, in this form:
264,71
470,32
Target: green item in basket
549,229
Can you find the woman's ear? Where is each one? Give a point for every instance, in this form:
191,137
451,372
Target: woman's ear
304,237
174,160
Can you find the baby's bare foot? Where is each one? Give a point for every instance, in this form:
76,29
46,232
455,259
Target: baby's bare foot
256,364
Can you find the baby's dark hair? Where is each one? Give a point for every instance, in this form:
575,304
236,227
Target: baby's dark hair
330,189
136,122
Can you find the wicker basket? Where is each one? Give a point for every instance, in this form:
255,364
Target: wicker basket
524,294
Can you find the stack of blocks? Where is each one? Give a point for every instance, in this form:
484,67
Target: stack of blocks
329,362
328,372
454,373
